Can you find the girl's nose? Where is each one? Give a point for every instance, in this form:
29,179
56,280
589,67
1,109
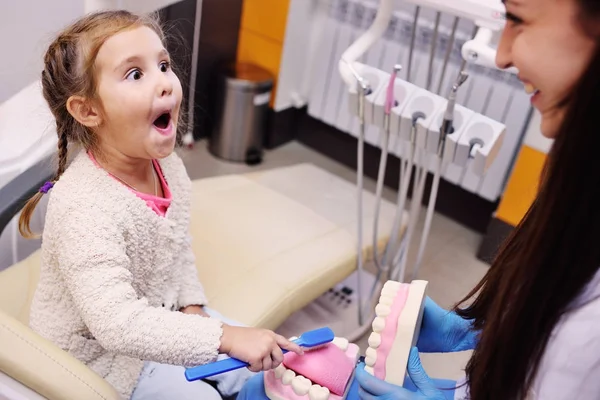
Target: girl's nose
165,86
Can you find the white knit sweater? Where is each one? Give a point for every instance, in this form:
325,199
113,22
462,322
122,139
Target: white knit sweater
114,274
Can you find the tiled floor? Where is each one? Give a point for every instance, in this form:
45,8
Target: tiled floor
449,263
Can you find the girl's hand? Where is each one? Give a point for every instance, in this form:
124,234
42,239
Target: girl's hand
261,348
198,310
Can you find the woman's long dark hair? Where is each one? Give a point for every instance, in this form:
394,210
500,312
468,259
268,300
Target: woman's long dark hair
550,256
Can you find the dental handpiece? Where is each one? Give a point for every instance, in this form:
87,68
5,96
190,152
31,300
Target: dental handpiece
390,101
447,122
449,113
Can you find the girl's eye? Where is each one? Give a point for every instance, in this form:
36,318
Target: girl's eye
164,66
135,75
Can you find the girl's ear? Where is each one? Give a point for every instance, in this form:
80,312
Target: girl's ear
84,111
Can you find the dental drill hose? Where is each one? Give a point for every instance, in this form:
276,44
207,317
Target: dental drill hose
441,164
359,184
362,89
390,102
401,258
406,167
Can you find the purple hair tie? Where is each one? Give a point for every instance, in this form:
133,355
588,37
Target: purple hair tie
46,187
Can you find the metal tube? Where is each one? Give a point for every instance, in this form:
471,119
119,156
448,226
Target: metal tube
436,29
412,43
359,185
448,54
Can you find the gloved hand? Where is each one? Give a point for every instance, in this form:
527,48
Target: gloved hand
443,331
254,389
371,388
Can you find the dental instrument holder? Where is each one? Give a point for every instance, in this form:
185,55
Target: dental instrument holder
419,112
462,117
480,142
403,92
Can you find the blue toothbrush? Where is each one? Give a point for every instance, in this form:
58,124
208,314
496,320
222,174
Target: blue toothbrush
308,340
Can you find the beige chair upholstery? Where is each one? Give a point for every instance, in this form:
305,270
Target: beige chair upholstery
266,243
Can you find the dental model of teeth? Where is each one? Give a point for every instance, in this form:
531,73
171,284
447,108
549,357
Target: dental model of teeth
396,327
320,374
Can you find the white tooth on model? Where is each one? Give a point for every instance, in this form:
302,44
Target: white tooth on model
301,385
279,371
317,392
383,310
392,285
371,352
386,300
378,324
370,361
375,340
288,376
342,343
370,370
389,292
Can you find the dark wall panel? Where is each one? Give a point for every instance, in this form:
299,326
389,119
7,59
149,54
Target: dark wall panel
219,32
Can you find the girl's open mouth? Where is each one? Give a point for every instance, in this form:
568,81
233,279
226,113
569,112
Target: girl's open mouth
163,123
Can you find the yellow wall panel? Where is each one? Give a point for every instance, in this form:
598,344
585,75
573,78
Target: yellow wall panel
266,17
522,186
258,50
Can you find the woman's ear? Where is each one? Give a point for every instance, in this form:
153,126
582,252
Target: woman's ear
84,111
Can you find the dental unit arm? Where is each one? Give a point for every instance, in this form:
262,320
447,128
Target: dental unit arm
432,135
488,16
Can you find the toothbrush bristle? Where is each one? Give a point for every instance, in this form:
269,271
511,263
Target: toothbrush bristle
317,337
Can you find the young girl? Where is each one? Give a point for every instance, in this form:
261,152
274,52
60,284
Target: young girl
118,284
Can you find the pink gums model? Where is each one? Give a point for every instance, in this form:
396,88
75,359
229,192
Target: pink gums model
389,332
328,366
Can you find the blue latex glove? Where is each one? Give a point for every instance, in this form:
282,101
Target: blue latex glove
254,389
372,388
443,331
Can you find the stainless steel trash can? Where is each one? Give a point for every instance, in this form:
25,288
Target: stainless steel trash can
242,109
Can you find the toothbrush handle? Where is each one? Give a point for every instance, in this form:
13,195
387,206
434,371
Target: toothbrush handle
215,368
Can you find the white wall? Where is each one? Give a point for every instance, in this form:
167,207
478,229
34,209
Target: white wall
135,6
28,26
26,29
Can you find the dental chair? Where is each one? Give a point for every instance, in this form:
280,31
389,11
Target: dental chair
267,244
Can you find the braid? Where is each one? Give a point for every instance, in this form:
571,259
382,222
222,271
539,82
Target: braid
63,149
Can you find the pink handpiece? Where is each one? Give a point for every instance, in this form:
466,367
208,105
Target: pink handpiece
389,97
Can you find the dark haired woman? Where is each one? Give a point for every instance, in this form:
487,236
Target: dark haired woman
534,320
